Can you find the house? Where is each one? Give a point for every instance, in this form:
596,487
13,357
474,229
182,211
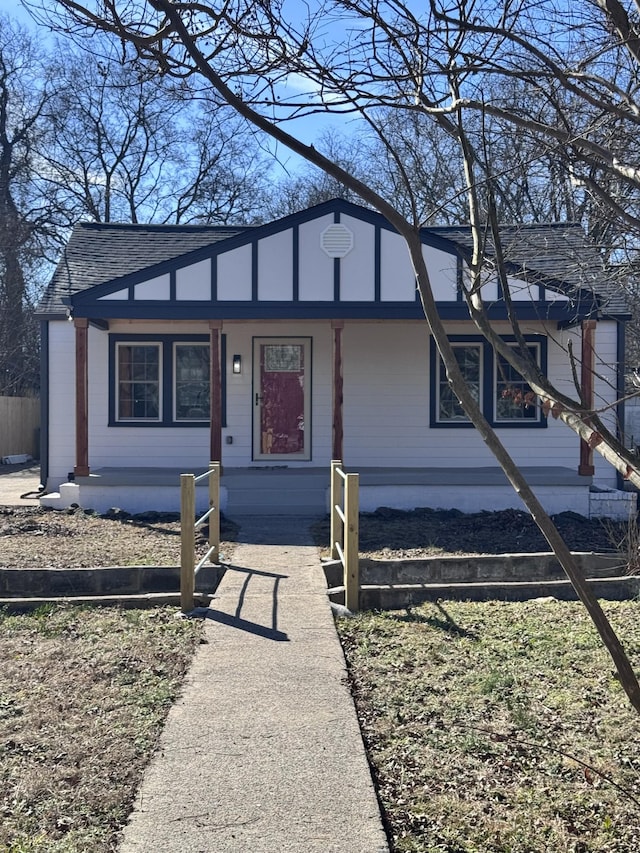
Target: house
278,347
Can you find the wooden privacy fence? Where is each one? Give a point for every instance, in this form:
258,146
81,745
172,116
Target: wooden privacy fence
19,422
345,508
188,527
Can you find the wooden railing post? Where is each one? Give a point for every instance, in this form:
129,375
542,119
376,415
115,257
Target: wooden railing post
336,499
187,540
351,544
214,518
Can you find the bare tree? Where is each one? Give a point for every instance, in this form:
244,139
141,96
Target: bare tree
23,98
130,147
89,137
305,187
388,58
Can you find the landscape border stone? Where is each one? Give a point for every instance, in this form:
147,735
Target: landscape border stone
48,584
396,583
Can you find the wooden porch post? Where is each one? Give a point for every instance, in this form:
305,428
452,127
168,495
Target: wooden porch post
215,402
81,468
586,467
336,452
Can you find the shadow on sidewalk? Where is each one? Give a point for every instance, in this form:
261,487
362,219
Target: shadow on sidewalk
236,621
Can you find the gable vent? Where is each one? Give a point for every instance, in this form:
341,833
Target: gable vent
336,240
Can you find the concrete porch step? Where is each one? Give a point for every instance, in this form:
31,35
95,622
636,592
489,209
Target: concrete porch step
276,492
275,509
276,502
68,495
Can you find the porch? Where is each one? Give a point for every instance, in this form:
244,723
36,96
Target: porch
302,491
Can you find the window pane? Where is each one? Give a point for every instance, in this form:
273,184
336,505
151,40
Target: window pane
191,382
514,399
139,381
469,362
283,358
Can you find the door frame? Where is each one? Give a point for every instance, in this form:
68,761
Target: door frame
257,341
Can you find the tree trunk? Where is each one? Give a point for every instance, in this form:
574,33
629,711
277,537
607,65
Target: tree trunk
548,529
12,288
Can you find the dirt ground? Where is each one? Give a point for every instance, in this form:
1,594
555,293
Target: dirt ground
396,534
35,537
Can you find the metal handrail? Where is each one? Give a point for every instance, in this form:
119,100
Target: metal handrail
188,527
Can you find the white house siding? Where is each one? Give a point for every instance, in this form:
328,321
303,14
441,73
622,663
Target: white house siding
357,268
386,394
194,282
275,267
315,267
386,401
133,445
125,446
62,397
156,289
605,393
443,273
604,385
386,408
234,274
397,278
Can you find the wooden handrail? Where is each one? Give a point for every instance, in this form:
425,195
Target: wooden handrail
188,527
345,509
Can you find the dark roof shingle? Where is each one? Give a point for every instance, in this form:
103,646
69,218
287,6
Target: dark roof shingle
97,253
558,254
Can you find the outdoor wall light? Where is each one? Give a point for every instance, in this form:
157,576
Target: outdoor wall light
237,364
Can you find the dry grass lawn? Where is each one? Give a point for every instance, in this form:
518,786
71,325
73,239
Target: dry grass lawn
491,728
498,728
83,695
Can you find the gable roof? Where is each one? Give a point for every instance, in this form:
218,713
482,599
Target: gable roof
557,252
556,255
98,252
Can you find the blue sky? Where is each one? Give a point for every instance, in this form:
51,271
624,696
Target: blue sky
307,129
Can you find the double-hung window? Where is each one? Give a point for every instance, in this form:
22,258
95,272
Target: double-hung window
504,397
469,359
191,382
139,381
514,402
161,380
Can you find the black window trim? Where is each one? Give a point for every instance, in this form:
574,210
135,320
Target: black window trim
488,383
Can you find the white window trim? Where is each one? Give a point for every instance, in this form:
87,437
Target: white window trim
496,379
174,381
441,379
133,343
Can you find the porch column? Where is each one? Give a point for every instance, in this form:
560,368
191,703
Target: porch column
215,401
81,468
337,450
587,372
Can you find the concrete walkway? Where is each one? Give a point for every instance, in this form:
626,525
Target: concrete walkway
17,480
262,753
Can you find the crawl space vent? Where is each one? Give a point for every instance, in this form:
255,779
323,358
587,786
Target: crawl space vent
336,240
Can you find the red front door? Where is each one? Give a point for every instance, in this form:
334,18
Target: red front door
281,398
